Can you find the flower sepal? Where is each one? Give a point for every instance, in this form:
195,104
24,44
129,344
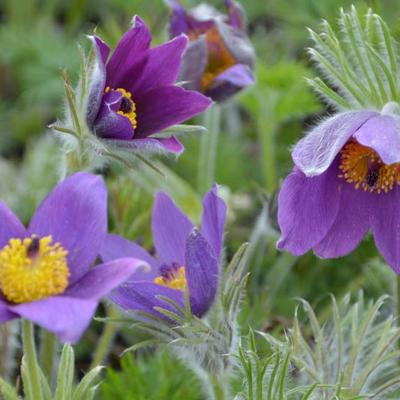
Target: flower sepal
204,343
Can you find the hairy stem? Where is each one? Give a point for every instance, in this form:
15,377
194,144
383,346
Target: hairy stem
30,355
208,149
106,339
48,353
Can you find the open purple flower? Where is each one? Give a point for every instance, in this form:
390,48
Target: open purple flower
187,257
220,58
45,269
346,182
133,94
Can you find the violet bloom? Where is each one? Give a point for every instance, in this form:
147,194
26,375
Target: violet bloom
187,257
45,269
346,182
133,94
220,58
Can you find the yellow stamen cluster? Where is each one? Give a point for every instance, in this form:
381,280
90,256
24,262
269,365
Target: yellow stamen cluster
362,166
33,269
127,107
219,57
176,281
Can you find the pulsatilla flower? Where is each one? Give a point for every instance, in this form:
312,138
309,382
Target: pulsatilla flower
188,259
45,273
346,182
220,58
133,95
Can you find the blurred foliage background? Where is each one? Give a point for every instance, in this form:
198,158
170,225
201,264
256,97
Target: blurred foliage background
38,39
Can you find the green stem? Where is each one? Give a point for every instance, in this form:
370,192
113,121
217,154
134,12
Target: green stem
208,149
28,340
266,131
218,387
48,351
398,299
106,338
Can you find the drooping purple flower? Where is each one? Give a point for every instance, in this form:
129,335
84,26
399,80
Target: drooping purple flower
187,257
45,269
220,58
133,93
345,183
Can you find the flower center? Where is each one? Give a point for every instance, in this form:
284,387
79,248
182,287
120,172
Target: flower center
33,269
219,58
127,107
362,166
172,276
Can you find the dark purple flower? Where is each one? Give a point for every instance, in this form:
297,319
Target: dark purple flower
133,95
45,269
346,182
186,257
220,58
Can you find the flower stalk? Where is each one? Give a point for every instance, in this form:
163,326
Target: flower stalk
30,356
48,353
208,149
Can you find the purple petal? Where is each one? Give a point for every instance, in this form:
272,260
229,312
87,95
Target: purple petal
97,79
213,220
142,296
5,313
103,48
236,14
166,106
237,43
315,152
351,224
10,227
162,67
75,214
66,317
109,124
202,273
115,246
170,228
385,226
178,21
129,49
231,81
194,63
382,133
103,278
307,209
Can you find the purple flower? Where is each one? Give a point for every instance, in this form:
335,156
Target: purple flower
45,269
220,58
187,257
346,182
133,95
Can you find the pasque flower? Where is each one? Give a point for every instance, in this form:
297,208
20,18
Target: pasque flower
45,269
187,258
345,183
220,58
133,94
346,179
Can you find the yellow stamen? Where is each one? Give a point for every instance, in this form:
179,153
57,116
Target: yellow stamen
362,166
33,269
127,107
177,280
219,57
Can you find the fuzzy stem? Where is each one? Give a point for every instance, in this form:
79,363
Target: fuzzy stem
266,127
28,340
397,311
106,339
48,352
218,387
208,149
